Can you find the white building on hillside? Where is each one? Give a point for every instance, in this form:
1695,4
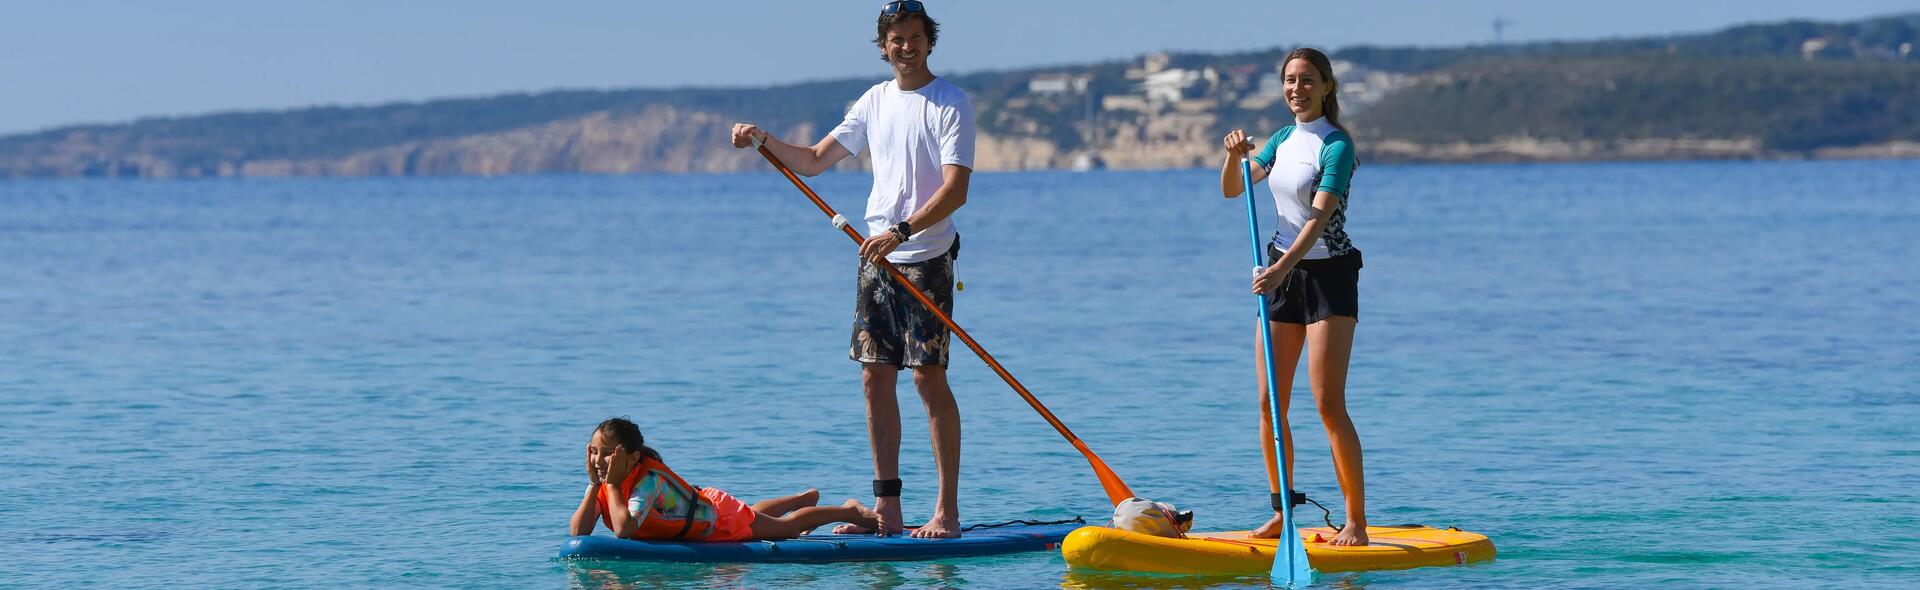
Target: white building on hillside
1170,85
1058,83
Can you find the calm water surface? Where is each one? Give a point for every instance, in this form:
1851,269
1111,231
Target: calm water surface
1629,375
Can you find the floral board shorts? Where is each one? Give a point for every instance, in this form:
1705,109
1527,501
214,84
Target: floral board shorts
892,327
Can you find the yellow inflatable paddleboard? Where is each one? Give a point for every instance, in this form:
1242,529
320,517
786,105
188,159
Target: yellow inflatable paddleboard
1232,553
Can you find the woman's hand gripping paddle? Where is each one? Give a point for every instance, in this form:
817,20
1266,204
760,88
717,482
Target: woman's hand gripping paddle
1290,567
1117,490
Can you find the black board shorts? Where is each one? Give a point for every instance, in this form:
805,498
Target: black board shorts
1315,289
890,326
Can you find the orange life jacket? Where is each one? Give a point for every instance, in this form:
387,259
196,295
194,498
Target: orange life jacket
685,523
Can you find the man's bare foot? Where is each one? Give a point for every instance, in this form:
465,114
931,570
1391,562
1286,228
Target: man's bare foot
888,509
941,526
1354,534
1271,530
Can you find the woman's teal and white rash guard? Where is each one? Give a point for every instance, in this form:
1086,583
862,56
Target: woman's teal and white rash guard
1301,160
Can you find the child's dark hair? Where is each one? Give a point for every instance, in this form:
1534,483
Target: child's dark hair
627,433
887,21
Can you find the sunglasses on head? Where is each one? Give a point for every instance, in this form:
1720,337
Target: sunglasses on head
898,6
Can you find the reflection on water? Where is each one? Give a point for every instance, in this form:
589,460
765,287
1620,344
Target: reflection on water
1097,580
623,575
885,575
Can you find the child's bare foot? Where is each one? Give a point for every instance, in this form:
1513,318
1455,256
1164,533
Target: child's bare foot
1271,530
868,518
941,526
888,510
1354,534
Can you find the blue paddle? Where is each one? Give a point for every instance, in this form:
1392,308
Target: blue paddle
1290,567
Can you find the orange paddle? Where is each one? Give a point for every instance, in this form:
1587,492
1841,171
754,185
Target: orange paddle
1117,490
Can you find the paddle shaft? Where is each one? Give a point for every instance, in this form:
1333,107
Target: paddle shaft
1117,490
1290,549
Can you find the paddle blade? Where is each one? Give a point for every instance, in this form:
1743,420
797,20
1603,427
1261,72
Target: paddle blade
1290,567
1117,491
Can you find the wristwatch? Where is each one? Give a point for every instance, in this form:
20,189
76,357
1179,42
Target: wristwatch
902,231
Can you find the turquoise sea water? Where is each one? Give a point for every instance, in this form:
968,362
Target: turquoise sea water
1628,375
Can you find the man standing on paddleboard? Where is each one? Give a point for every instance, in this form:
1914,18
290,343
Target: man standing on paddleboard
919,128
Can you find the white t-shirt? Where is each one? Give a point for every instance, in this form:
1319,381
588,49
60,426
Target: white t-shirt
913,134
1301,160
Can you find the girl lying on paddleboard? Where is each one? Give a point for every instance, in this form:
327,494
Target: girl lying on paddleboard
637,497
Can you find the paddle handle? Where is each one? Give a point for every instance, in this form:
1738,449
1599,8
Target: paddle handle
1290,566
1117,490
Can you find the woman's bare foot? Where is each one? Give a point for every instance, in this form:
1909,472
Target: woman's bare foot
941,526
1354,534
1271,530
888,509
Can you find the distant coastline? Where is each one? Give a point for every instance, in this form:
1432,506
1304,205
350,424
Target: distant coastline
1526,149
1791,90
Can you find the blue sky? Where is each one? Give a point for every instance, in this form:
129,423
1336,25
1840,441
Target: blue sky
83,61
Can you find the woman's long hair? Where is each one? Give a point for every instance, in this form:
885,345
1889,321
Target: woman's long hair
1330,108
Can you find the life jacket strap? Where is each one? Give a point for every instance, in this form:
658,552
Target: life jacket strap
693,513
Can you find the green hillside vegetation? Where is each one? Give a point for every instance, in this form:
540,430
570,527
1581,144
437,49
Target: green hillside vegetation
1787,104
1877,38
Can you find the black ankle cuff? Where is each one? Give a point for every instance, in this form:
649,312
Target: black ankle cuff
1281,501
886,488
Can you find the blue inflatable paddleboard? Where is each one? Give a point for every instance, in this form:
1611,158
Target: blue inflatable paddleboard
826,548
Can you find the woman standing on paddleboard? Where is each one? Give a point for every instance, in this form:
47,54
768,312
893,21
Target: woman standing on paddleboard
1312,273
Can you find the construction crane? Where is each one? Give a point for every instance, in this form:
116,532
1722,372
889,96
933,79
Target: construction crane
1500,25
